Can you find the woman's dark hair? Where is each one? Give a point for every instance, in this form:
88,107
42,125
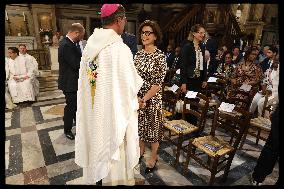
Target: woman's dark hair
120,12
228,52
248,52
273,49
14,49
156,30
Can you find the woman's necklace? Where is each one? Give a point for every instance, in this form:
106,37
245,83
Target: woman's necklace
247,66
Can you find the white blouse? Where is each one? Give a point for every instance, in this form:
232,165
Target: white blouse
199,59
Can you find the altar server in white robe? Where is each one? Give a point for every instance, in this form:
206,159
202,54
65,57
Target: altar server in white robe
20,77
107,142
31,59
8,100
23,52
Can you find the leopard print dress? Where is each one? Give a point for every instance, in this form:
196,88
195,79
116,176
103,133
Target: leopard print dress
152,68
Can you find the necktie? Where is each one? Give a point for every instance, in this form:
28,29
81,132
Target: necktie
78,47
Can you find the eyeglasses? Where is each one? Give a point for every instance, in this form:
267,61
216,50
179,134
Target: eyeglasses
147,33
201,33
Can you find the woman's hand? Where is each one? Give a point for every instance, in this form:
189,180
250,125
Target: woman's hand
234,81
183,88
142,103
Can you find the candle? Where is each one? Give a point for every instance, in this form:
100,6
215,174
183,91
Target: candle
24,16
7,18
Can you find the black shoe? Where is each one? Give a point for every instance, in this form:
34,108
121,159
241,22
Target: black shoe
99,183
149,169
69,135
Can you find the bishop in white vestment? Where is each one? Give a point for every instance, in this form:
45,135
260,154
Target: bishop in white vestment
107,142
20,77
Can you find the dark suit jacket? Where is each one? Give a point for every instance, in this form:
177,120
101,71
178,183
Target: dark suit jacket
170,59
69,59
175,61
131,41
188,62
264,64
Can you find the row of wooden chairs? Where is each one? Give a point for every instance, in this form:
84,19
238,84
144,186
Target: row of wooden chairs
220,151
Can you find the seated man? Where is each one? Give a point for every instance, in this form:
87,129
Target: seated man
8,100
20,77
32,60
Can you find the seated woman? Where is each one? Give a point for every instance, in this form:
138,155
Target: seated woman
225,69
269,84
247,72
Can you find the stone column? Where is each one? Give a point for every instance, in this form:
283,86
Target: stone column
54,59
245,13
259,12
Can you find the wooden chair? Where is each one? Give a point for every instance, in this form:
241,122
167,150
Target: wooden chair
219,148
215,91
182,127
259,123
169,100
240,98
169,75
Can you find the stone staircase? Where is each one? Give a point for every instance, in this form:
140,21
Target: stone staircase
48,86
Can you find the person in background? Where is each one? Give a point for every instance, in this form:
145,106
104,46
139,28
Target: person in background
175,64
237,56
69,57
193,67
247,72
262,53
32,60
226,68
23,52
107,142
20,77
271,53
150,63
131,41
8,99
55,39
269,154
169,56
269,83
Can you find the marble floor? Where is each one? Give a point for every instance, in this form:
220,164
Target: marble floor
37,152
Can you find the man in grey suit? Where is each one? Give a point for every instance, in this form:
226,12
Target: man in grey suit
69,57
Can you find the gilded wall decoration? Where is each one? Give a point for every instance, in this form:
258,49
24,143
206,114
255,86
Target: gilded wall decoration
18,24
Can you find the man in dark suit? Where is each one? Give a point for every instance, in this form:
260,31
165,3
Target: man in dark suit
267,62
169,55
69,57
131,41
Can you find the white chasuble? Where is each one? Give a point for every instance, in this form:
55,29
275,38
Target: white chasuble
107,142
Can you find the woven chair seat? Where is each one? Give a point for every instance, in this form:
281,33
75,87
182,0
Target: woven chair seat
185,127
222,147
261,122
166,113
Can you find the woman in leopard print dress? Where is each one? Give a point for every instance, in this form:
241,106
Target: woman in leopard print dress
151,66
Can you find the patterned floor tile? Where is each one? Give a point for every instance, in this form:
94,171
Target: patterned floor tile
37,152
34,176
